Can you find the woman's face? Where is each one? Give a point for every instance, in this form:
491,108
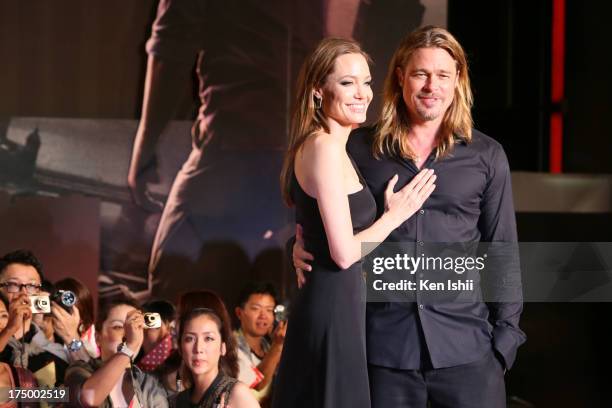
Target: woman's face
112,331
3,316
347,91
201,346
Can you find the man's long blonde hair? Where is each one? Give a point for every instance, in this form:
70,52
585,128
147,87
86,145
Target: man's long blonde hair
394,123
307,119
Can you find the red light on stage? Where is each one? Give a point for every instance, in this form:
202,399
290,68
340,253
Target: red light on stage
557,86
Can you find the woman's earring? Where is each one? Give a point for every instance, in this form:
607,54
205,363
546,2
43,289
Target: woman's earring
318,102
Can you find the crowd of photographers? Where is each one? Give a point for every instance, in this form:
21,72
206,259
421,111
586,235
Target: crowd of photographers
130,355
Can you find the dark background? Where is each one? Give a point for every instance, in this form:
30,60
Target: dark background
566,360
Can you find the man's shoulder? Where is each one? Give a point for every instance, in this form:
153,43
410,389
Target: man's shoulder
365,131
490,151
241,343
360,141
484,143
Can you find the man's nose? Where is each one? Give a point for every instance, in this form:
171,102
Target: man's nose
432,82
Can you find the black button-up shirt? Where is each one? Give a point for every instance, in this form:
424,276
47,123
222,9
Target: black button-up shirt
472,202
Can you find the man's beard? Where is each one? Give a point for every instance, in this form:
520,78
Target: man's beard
428,115
432,113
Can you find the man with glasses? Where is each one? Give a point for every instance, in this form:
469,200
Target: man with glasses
20,273
28,347
20,277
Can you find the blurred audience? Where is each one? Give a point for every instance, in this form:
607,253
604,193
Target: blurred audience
114,359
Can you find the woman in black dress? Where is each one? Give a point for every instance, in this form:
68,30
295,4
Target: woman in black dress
323,363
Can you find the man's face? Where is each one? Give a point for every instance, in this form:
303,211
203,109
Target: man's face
257,316
24,278
428,84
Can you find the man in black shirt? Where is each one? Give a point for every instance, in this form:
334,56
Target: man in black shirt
449,354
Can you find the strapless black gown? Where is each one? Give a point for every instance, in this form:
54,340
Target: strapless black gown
323,364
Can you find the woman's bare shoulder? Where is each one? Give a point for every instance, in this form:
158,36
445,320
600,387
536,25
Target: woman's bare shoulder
242,397
320,145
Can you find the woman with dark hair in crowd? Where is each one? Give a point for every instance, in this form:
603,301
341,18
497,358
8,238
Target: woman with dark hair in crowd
188,301
12,377
202,345
209,299
85,305
112,380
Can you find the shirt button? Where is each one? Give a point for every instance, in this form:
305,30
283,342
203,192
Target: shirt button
421,307
421,243
422,212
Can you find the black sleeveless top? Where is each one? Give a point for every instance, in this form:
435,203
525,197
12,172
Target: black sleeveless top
221,387
363,213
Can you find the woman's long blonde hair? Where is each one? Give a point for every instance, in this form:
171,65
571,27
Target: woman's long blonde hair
307,118
394,123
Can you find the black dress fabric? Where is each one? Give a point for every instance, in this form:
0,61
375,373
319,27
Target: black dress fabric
324,362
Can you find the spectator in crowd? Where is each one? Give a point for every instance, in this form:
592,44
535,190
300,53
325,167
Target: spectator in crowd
112,380
258,352
12,377
4,311
211,300
12,316
157,344
29,347
44,321
202,344
85,304
169,374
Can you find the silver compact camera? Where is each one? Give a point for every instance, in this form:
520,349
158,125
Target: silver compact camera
281,313
40,304
152,320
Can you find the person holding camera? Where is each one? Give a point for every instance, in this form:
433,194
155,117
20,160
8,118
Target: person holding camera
85,305
12,377
112,380
23,343
260,341
61,320
157,345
